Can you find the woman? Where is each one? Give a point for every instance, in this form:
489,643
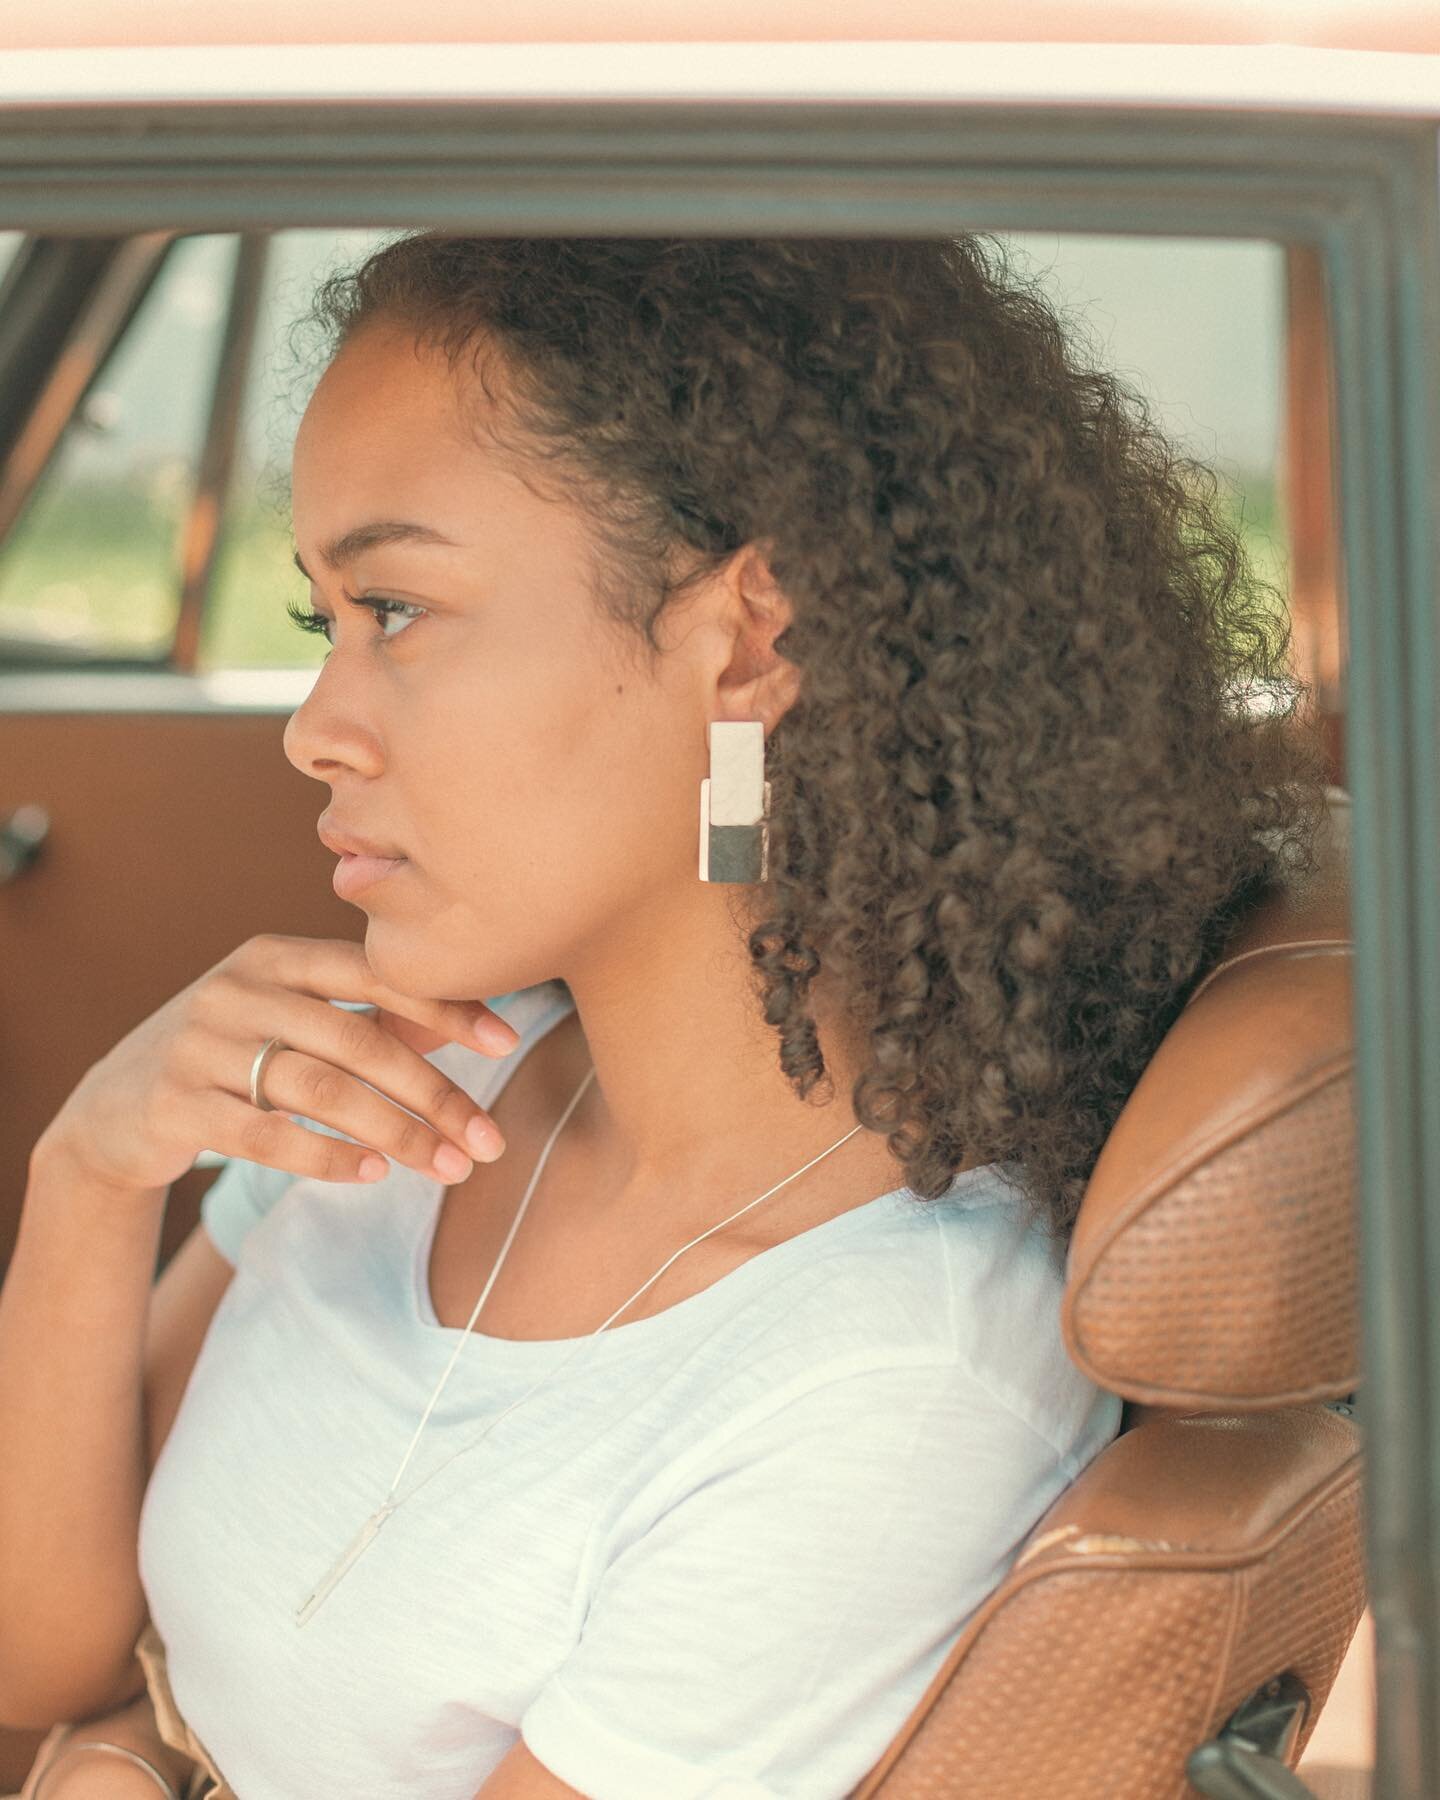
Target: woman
964,651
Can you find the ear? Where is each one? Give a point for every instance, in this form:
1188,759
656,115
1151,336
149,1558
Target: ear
760,682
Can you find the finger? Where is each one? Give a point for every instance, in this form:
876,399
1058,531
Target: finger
418,1037
272,1139
356,1044
326,1092
332,968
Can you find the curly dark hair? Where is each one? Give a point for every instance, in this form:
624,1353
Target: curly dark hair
1048,743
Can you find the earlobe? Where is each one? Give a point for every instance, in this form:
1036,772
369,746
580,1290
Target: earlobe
788,682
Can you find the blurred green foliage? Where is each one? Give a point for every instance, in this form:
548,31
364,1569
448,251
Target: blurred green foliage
246,624
96,565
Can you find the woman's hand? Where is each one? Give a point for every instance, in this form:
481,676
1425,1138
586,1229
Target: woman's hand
71,1774
179,1082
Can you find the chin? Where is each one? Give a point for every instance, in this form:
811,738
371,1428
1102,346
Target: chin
415,963
406,962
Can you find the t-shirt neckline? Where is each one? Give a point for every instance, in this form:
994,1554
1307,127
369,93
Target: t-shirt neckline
671,1320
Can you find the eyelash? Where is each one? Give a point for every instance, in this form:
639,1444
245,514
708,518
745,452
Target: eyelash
320,622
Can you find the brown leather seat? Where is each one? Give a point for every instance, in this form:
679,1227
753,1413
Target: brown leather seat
1213,1553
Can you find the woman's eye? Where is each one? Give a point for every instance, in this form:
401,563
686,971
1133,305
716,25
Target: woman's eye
391,609
308,620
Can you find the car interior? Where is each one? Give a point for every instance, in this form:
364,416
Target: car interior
1177,1620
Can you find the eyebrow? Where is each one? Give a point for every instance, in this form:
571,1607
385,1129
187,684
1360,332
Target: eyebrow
355,542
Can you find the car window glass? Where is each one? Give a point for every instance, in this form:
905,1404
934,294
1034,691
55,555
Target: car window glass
246,625
1195,325
93,561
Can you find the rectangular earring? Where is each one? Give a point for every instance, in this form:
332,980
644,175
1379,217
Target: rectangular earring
735,803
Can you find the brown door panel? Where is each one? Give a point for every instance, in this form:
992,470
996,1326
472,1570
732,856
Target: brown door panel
173,838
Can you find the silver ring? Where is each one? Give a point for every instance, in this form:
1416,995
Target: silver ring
257,1072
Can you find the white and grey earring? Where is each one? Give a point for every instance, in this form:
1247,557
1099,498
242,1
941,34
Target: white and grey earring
735,803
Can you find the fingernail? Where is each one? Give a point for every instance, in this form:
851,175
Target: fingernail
453,1164
496,1036
484,1140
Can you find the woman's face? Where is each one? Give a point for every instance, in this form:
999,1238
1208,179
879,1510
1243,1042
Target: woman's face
541,787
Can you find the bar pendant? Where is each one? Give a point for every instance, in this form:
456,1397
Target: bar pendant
348,1558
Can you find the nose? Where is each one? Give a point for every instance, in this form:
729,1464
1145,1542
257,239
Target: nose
329,731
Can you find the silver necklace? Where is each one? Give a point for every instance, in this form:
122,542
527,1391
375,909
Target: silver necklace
366,1534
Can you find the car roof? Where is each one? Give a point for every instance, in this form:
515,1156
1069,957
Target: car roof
1394,25
1263,77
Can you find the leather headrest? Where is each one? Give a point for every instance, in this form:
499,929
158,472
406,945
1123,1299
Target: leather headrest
1214,1262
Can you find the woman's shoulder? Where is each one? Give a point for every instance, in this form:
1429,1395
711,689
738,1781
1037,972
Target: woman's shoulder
969,1280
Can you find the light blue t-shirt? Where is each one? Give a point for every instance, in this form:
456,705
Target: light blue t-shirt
721,1555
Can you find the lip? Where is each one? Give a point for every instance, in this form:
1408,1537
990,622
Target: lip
345,843
353,874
